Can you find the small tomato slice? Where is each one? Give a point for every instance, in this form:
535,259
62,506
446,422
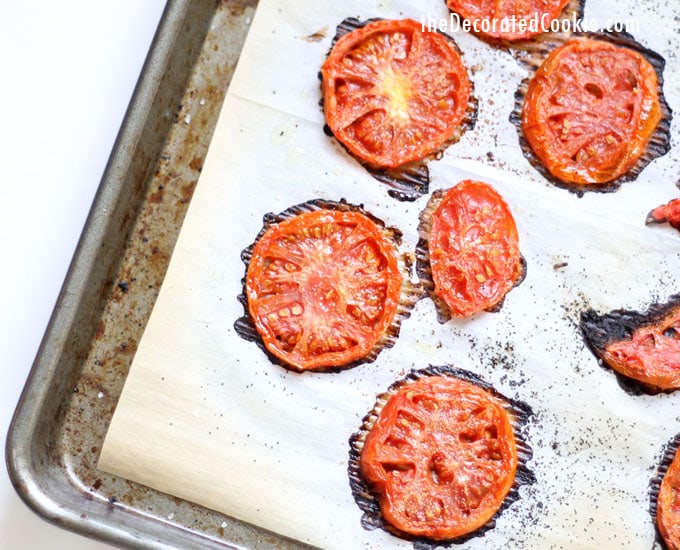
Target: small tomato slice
473,248
322,288
508,19
394,93
651,355
590,111
641,346
666,213
441,456
668,505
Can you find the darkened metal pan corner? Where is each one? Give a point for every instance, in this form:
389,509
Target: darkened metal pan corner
102,307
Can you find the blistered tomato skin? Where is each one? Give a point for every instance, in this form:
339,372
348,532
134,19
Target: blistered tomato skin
473,248
508,19
322,288
668,506
441,456
393,92
590,111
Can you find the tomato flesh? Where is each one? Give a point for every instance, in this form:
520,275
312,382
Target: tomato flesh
508,19
668,505
667,213
441,456
651,355
322,288
590,111
394,93
473,248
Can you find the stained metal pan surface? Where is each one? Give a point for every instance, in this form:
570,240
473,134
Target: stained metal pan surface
107,297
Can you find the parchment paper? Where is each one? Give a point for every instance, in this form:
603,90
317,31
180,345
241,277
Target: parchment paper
207,417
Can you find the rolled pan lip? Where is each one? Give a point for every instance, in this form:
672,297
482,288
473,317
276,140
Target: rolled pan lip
63,503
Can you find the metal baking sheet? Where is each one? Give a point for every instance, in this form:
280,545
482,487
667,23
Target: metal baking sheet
69,398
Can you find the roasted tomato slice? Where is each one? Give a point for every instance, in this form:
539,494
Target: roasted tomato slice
666,213
322,288
394,93
641,346
668,505
590,111
473,248
441,456
508,19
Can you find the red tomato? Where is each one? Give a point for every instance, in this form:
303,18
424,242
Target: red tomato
590,111
473,248
441,456
668,506
667,213
508,19
641,346
322,288
394,93
651,355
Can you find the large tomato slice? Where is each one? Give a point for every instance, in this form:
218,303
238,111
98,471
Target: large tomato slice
668,505
441,456
473,248
394,93
590,111
644,347
322,288
508,19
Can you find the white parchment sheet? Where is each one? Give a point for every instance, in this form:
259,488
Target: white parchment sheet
207,417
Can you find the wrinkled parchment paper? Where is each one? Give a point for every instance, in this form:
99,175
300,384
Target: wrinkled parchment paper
205,416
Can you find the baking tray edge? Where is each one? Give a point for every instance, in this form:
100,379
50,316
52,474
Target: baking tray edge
86,291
